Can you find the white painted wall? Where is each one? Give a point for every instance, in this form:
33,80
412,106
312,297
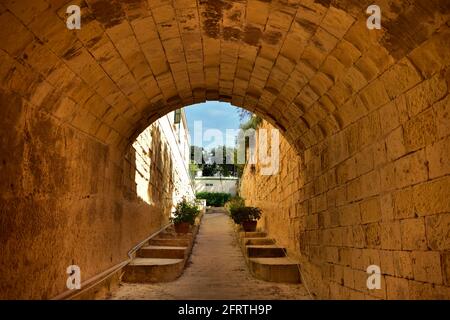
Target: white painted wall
176,137
216,184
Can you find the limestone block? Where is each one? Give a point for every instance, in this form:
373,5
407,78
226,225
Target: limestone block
395,145
438,156
442,111
390,235
403,264
420,131
411,169
432,197
427,266
370,210
397,288
400,78
437,229
413,234
13,42
337,22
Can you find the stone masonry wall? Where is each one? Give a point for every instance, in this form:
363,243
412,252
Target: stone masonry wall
68,204
376,192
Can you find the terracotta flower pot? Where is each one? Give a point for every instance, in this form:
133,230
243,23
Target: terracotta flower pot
249,226
182,227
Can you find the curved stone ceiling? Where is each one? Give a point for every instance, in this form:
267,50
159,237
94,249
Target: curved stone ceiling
308,67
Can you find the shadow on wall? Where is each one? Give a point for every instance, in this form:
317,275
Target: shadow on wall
160,183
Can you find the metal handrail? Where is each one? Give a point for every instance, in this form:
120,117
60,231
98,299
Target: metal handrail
92,282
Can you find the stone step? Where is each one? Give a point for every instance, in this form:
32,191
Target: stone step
174,235
149,270
258,241
275,269
176,242
244,234
162,252
265,251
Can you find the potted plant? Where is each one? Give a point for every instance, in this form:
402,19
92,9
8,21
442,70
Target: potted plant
184,216
234,203
246,216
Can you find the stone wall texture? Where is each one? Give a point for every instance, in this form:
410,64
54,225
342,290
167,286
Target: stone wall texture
365,110
383,203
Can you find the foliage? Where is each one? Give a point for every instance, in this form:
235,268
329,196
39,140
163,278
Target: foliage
253,123
243,114
234,203
193,168
242,214
214,199
185,211
218,161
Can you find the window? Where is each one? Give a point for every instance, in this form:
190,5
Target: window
177,116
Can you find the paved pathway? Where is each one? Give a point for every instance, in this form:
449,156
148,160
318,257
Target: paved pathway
216,270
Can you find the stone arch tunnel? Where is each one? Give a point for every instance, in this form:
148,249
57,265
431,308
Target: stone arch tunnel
364,116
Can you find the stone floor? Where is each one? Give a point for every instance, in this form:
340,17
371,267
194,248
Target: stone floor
216,270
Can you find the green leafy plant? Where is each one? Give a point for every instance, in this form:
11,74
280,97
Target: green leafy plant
243,214
214,199
234,203
185,211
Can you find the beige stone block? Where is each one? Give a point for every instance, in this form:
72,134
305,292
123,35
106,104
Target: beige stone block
397,288
426,291
387,177
337,22
379,154
395,146
432,197
13,42
442,111
400,78
390,235
364,161
370,184
373,235
427,266
446,267
403,204
403,264
431,55
348,277
387,207
413,234
359,237
389,116
438,156
411,169
420,131
257,12
368,68
370,210
349,215
163,14
387,262
346,53
438,231
425,94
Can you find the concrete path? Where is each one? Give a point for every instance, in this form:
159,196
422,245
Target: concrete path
216,270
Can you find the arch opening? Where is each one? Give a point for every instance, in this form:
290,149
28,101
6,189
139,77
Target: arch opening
363,114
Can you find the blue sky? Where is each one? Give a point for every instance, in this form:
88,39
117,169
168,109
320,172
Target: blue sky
214,115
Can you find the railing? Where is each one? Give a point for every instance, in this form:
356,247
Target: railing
92,282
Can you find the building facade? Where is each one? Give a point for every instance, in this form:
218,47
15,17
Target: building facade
216,184
172,133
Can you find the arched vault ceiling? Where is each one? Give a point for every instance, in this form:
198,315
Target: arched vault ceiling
301,64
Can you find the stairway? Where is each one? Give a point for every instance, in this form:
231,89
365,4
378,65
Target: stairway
266,260
161,259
